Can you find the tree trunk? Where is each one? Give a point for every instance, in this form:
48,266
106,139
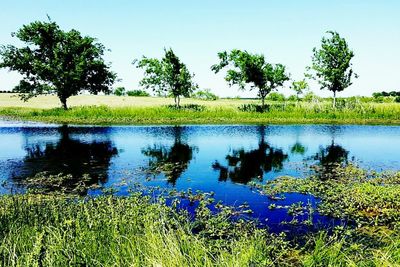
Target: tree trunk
179,100
64,103
263,102
334,99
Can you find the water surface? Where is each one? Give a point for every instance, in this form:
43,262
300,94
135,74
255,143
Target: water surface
222,159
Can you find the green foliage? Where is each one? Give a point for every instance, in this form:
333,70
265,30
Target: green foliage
299,87
310,97
192,107
138,230
253,108
331,64
367,198
385,94
168,75
120,91
230,111
275,96
292,98
386,97
39,230
251,69
137,93
57,61
205,94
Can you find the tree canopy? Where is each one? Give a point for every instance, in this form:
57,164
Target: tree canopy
63,62
299,87
331,64
252,69
168,75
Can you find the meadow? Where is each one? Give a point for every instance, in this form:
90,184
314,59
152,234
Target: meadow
108,110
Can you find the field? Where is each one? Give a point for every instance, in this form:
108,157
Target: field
87,109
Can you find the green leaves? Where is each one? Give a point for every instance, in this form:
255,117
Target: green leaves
55,60
331,64
168,75
299,87
251,69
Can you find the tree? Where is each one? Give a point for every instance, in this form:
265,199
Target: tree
167,75
57,61
120,91
246,68
332,64
299,87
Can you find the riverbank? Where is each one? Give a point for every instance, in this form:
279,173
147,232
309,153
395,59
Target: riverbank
147,110
61,230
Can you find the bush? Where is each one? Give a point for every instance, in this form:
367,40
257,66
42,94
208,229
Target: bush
292,98
274,96
137,93
205,95
397,99
310,96
254,108
119,91
192,107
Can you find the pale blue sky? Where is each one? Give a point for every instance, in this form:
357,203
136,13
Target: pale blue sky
285,31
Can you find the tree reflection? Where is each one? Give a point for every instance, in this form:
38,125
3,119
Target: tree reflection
243,166
170,160
84,163
328,159
298,148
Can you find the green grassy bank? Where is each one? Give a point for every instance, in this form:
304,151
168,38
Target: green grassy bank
151,110
60,230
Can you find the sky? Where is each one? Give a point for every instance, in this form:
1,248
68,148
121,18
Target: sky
285,31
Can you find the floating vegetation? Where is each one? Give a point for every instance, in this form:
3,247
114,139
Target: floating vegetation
59,230
366,198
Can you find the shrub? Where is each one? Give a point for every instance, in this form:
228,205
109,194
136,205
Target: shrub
192,107
205,95
310,96
274,96
254,108
119,91
137,93
292,98
397,99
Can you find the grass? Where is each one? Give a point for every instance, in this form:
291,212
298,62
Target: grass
55,230
133,231
148,110
138,230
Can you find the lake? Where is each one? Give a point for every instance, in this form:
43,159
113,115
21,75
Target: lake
222,159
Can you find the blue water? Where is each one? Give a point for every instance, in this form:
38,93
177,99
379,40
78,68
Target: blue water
221,159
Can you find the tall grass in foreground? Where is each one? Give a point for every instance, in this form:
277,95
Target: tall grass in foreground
111,231
38,230
285,112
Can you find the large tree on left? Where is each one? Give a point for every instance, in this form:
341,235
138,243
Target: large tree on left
53,60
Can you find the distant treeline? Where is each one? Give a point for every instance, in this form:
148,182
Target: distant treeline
383,93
